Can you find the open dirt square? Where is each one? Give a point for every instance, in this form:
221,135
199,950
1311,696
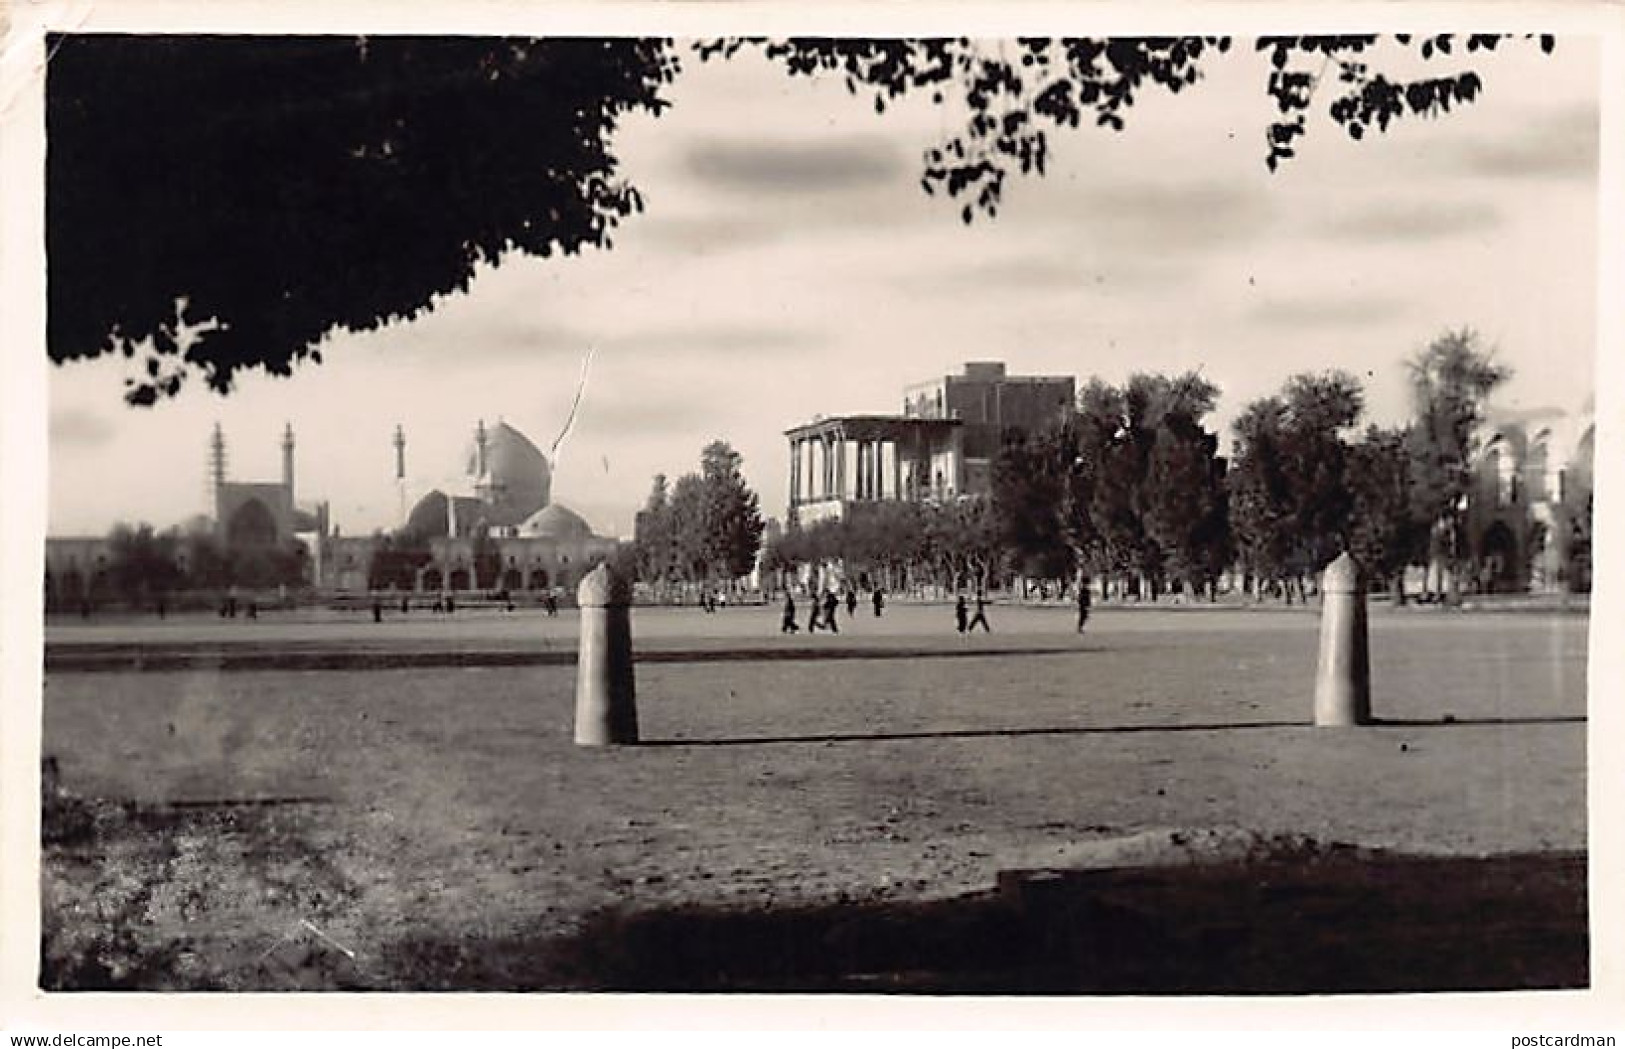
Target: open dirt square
434,827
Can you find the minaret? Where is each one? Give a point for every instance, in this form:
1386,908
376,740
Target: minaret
400,471
287,460
217,472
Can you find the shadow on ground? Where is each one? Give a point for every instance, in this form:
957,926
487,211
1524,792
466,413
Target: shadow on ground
1343,922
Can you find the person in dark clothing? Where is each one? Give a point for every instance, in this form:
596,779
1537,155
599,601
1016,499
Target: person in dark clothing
789,625
980,616
961,613
253,610
879,598
451,604
851,603
552,603
831,605
406,605
815,616
377,611
1083,604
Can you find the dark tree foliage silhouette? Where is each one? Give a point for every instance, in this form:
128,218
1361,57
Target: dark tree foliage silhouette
217,204
1384,534
1290,496
1451,380
1015,93
291,186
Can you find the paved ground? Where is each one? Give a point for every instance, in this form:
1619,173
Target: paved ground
447,806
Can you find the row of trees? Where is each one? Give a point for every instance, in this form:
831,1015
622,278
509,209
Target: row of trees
1132,487
707,528
144,567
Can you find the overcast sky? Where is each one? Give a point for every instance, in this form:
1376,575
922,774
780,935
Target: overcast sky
788,265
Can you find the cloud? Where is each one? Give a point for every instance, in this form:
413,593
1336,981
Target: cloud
692,235
646,416
1337,312
1152,219
78,428
1415,222
1040,275
788,168
1559,144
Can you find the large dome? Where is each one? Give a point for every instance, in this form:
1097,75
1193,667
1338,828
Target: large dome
429,518
556,522
517,479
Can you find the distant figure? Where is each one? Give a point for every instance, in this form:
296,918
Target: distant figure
1083,605
253,610
451,604
961,613
377,610
980,616
879,598
814,616
851,603
788,625
831,606
406,604
507,601
160,608
552,603
439,605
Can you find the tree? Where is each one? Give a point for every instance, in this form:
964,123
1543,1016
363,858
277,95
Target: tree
732,520
1030,481
142,564
288,187
1319,408
709,526
1450,381
1187,513
351,182
1384,535
1013,97
1261,509
652,535
1290,494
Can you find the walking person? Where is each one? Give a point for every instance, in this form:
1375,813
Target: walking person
788,624
851,603
961,613
981,615
815,615
1083,603
377,610
831,606
879,598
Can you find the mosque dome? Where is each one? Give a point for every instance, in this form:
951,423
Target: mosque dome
516,479
556,522
429,518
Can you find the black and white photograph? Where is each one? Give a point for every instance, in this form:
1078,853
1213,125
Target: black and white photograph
957,510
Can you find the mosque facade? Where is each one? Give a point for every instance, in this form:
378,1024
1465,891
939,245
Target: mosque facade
1528,513
497,530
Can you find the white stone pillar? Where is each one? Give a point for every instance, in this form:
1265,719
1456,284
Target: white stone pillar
1343,681
606,700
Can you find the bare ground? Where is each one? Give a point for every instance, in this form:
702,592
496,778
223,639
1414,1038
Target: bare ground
435,828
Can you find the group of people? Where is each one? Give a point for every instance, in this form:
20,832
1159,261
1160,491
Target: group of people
825,610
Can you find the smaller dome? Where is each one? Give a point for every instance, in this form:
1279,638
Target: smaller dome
556,521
